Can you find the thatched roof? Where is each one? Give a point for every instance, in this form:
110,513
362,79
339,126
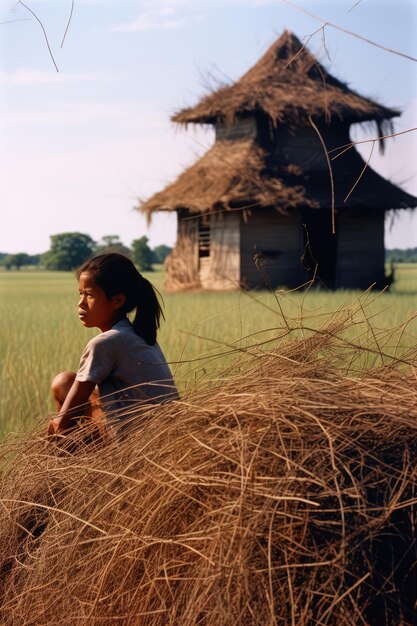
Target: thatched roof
231,174
239,174
287,83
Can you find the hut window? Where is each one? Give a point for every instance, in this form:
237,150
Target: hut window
203,238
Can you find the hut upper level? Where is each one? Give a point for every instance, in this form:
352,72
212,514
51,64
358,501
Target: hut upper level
267,152
287,84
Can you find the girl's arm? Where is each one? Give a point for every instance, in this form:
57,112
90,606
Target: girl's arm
72,407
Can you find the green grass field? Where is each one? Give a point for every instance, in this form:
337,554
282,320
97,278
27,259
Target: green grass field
41,335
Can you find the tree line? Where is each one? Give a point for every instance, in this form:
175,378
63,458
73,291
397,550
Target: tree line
69,250
396,255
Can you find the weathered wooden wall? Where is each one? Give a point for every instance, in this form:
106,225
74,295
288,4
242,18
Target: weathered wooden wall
361,255
304,148
267,249
275,242
242,128
221,270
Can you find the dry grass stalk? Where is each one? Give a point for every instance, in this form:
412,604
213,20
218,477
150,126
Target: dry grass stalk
282,494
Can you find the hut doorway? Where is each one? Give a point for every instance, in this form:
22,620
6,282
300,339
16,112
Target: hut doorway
320,248
204,250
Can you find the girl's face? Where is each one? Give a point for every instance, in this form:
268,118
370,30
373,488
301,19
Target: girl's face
94,308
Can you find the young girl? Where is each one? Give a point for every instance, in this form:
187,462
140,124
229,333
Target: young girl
124,361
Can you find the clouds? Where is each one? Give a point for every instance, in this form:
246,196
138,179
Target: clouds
174,14
30,77
117,114
166,16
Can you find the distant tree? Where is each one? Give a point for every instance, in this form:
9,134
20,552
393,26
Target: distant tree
142,254
34,259
160,253
7,261
16,260
20,259
112,242
68,251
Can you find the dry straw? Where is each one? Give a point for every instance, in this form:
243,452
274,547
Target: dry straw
281,493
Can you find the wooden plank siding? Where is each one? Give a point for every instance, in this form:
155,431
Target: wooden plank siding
241,128
303,149
361,255
278,240
221,270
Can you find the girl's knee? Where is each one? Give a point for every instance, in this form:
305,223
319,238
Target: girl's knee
61,384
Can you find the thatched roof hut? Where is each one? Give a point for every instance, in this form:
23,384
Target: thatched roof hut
263,193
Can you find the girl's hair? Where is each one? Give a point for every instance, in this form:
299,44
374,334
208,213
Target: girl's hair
115,273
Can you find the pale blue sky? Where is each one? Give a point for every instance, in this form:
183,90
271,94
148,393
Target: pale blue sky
80,146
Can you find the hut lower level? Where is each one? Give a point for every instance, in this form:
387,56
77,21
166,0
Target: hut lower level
234,249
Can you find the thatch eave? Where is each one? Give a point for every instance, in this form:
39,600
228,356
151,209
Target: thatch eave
292,113
231,174
235,175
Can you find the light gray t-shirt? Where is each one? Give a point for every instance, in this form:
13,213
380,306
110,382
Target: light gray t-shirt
126,369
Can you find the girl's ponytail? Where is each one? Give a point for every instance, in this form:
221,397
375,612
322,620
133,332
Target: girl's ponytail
148,311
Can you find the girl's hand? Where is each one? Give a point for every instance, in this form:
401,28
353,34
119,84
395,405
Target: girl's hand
54,426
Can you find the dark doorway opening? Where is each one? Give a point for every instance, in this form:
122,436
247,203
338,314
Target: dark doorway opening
204,238
320,247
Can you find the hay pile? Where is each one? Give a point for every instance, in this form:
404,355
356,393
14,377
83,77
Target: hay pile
285,494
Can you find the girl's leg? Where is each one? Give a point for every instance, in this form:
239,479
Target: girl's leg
60,387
